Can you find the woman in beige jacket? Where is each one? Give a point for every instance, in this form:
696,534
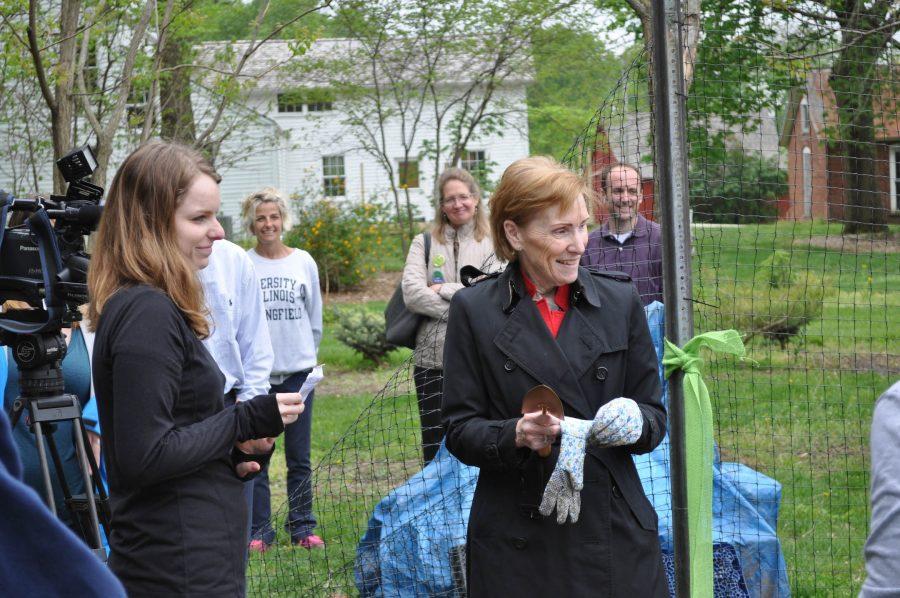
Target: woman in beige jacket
459,237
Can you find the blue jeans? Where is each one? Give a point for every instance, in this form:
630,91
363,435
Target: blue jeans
300,521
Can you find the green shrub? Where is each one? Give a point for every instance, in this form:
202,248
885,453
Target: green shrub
729,186
776,305
775,270
345,238
362,330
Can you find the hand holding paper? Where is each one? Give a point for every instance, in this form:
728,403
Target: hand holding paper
315,376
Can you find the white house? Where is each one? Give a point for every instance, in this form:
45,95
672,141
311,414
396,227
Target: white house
311,142
294,132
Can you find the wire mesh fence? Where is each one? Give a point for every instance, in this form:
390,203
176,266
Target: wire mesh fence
794,167
792,131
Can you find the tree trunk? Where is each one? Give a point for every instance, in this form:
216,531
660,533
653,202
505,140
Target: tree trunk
855,84
176,110
63,117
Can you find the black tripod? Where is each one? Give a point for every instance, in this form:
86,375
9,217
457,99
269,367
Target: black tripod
39,357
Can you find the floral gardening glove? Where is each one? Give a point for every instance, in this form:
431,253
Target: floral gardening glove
618,423
563,490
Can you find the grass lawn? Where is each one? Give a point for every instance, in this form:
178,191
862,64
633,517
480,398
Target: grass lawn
799,415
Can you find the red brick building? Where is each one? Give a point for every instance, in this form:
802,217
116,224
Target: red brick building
815,164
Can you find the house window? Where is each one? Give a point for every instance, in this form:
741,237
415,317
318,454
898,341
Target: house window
408,174
804,116
333,180
475,162
807,183
289,102
319,106
895,177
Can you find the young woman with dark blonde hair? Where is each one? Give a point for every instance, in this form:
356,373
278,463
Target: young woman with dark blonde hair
175,453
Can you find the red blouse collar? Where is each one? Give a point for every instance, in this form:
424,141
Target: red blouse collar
561,297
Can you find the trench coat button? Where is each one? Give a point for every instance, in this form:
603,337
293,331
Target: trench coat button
601,373
492,450
510,365
520,543
616,492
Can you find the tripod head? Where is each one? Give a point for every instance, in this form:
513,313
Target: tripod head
39,357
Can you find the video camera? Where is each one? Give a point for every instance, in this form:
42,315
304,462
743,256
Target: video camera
43,264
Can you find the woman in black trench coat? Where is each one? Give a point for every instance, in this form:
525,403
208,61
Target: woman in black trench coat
545,320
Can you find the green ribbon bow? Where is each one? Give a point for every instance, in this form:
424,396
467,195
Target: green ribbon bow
698,445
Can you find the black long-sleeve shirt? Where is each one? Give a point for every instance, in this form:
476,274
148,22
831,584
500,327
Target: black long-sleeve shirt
178,516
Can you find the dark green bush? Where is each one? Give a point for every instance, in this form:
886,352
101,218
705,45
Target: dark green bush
362,330
735,188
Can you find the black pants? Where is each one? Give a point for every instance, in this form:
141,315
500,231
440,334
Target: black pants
429,382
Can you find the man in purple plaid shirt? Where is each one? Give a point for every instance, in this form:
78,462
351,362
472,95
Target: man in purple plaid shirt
627,242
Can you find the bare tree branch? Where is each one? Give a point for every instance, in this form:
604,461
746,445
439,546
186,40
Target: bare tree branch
36,56
251,49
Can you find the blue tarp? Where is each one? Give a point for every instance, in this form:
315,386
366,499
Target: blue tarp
407,547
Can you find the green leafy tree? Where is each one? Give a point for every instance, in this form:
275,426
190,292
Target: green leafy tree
857,35
114,73
572,71
746,59
26,138
219,72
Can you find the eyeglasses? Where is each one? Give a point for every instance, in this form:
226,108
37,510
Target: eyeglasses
463,197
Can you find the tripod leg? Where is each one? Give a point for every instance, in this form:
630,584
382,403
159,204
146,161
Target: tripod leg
57,465
89,488
93,463
78,520
45,472
103,514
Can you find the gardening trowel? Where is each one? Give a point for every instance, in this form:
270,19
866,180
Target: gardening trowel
544,399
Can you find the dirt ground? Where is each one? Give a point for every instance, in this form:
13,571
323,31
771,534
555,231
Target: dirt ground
854,243
378,288
345,383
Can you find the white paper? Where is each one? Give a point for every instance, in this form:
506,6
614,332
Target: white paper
315,376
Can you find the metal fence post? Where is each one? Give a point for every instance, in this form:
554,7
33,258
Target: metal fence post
672,183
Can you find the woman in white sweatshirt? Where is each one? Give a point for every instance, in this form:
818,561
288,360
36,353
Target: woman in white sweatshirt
289,279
